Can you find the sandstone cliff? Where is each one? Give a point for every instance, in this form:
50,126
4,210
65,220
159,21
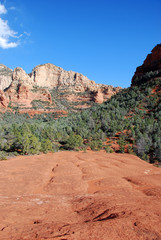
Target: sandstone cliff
5,77
50,87
150,69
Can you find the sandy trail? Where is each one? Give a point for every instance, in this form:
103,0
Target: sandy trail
79,196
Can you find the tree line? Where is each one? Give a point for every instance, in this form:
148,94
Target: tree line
132,117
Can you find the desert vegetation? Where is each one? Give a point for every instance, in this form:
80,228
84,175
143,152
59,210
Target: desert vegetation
131,120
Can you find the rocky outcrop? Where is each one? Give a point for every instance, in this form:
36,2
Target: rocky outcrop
21,77
4,101
5,77
23,96
51,84
150,69
49,75
98,96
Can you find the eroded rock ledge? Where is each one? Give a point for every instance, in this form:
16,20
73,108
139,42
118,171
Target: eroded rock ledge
50,84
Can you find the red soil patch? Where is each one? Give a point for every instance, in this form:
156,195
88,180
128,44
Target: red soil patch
79,196
32,112
113,143
154,90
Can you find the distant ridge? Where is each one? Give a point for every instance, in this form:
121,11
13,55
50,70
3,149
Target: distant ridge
50,85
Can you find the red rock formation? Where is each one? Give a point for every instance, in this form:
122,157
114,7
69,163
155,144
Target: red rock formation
151,67
68,86
4,101
24,96
99,98
23,92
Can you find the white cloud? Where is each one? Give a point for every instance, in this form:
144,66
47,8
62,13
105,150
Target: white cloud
4,43
2,9
6,33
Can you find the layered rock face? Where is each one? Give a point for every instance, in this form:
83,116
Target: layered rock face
49,75
151,67
50,84
4,100
5,77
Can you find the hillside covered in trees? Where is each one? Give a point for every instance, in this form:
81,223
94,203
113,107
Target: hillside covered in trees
129,122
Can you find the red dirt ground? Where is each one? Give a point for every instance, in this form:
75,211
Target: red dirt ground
79,196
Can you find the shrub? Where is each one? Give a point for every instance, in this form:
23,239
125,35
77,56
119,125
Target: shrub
46,146
96,145
74,141
122,144
108,149
129,149
3,155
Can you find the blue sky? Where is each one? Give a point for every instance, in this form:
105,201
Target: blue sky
104,40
